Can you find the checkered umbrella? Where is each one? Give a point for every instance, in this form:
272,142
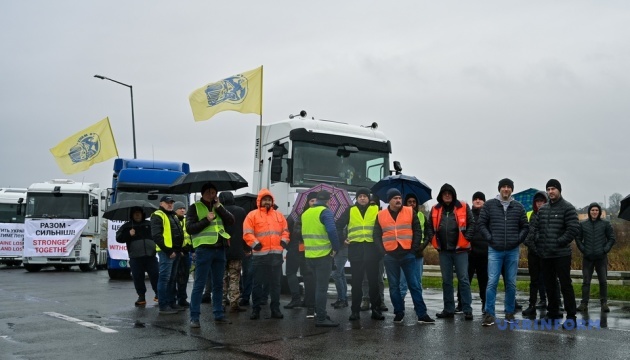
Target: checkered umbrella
526,197
339,200
624,210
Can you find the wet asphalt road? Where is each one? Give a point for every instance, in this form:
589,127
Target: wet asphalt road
70,314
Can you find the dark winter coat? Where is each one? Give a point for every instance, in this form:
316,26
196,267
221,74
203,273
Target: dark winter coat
503,229
447,232
596,236
194,225
479,246
237,248
139,245
555,227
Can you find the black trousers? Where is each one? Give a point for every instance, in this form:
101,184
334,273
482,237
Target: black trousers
479,265
559,268
139,266
269,277
370,270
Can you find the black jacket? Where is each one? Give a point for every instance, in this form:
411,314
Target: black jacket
479,246
139,245
447,231
237,245
503,229
555,227
596,236
194,225
177,233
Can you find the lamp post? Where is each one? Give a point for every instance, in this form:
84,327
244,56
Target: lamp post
133,123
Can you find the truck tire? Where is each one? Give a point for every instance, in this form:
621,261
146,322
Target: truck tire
91,266
32,268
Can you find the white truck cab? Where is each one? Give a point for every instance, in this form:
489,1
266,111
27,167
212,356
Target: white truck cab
11,226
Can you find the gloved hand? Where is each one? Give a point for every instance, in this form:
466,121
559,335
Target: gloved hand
257,247
283,244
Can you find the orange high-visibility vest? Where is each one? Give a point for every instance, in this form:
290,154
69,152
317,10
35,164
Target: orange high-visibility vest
460,217
397,231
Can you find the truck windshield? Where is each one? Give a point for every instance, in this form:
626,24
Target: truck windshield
8,214
57,206
317,163
152,198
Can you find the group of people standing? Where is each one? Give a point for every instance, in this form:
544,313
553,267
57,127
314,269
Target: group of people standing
484,239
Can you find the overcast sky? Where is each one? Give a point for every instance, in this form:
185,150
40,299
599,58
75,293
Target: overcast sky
468,92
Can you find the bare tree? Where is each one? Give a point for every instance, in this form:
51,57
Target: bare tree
614,203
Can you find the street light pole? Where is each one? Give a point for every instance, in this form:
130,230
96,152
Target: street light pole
133,122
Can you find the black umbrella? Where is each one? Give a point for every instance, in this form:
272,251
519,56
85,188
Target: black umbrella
223,180
624,209
122,210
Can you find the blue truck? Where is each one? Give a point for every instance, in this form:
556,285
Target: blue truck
135,179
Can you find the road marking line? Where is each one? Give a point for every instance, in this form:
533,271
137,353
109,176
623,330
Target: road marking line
81,322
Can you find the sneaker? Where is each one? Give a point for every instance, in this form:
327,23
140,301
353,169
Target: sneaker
399,318
276,315
582,307
167,311
530,311
445,315
509,318
488,320
355,316
383,307
341,304
206,299
140,302
222,321
365,305
243,302
293,304
377,315
326,323
605,307
541,304
195,324
310,313
184,304
459,309
426,319
255,315
177,307
468,316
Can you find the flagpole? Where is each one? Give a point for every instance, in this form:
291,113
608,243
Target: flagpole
260,162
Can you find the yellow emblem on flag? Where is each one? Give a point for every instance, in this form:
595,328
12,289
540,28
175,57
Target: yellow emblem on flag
241,92
87,147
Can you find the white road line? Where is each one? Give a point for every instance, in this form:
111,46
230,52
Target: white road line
81,322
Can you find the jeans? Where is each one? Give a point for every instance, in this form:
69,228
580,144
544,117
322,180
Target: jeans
247,279
498,260
210,262
166,280
266,276
182,283
403,280
381,283
448,259
339,275
601,266
320,267
408,265
559,268
139,266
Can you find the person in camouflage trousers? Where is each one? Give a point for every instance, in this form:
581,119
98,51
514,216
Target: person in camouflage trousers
234,254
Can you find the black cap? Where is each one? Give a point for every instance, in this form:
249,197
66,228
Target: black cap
507,182
479,195
167,199
323,195
554,183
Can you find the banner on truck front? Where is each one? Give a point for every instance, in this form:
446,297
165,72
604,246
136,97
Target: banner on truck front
117,251
11,239
51,237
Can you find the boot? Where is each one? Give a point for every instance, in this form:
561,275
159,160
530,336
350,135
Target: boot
605,307
583,307
255,315
530,311
354,316
377,315
293,304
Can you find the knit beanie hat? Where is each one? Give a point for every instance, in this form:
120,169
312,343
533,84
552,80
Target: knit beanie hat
178,205
363,191
554,183
504,182
391,193
479,195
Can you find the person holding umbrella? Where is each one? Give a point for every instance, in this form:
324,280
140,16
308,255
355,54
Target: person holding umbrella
205,222
136,233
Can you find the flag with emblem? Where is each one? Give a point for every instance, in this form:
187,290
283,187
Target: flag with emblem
87,147
241,92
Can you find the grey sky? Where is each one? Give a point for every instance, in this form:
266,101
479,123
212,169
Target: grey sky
468,92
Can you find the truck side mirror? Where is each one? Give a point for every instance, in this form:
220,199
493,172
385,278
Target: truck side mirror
19,208
397,167
277,152
94,207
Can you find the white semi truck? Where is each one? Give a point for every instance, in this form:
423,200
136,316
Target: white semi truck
63,225
11,225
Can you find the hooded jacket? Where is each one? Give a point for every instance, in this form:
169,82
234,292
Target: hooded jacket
267,228
596,236
237,248
555,227
503,229
529,240
141,244
447,232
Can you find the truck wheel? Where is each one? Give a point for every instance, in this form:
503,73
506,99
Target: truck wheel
32,268
91,266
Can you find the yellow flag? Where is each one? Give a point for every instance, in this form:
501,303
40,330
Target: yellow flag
86,148
241,92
